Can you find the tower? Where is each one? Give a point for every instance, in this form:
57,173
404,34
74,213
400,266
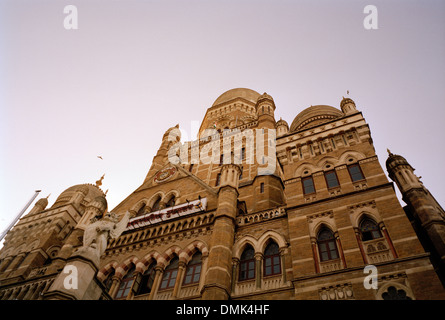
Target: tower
425,213
218,279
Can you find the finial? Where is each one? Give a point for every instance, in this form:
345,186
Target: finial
347,92
99,182
389,152
106,192
48,196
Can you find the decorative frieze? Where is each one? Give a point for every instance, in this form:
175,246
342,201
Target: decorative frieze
337,292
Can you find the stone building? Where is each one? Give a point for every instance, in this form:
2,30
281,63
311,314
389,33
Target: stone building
253,209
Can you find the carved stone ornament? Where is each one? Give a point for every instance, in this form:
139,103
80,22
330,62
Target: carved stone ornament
164,174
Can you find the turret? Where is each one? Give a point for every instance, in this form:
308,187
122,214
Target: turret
39,206
425,213
282,127
265,109
347,105
401,172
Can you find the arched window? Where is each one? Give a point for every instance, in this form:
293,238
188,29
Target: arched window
247,264
369,230
327,246
193,271
125,285
170,273
141,210
171,202
272,261
147,280
156,205
393,294
109,280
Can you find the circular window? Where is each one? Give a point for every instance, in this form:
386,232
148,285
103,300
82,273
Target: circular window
328,166
306,172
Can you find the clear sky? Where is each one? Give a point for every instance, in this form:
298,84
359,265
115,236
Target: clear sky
133,69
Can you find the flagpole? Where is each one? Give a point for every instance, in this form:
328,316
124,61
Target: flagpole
19,215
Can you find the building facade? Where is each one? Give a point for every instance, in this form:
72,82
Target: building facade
253,209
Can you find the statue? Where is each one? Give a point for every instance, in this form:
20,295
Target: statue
101,230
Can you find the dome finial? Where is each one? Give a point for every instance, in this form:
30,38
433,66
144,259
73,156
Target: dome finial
389,152
99,182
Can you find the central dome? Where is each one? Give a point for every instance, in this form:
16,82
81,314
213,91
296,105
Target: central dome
314,116
244,93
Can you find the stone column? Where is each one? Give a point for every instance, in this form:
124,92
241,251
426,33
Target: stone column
235,268
283,252
360,245
315,254
258,273
114,286
179,278
158,276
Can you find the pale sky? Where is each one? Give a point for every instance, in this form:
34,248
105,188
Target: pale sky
133,69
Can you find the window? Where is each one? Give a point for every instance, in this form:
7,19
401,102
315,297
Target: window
262,187
109,281
125,285
355,172
170,273
218,179
243,153
327,246
147,280
191,167
241,174
331,179
171,202
369,230
221,160
156,205
193,271
247,264
272,260
393,294
308,185
141,210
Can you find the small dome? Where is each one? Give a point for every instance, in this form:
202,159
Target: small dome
43,202
313,116
90,192
282,122
395,160
244,93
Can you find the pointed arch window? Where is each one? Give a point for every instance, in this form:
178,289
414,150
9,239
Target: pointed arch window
247,264
193,271
369,229
126,283
327,245
272,260
170,273
147,280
